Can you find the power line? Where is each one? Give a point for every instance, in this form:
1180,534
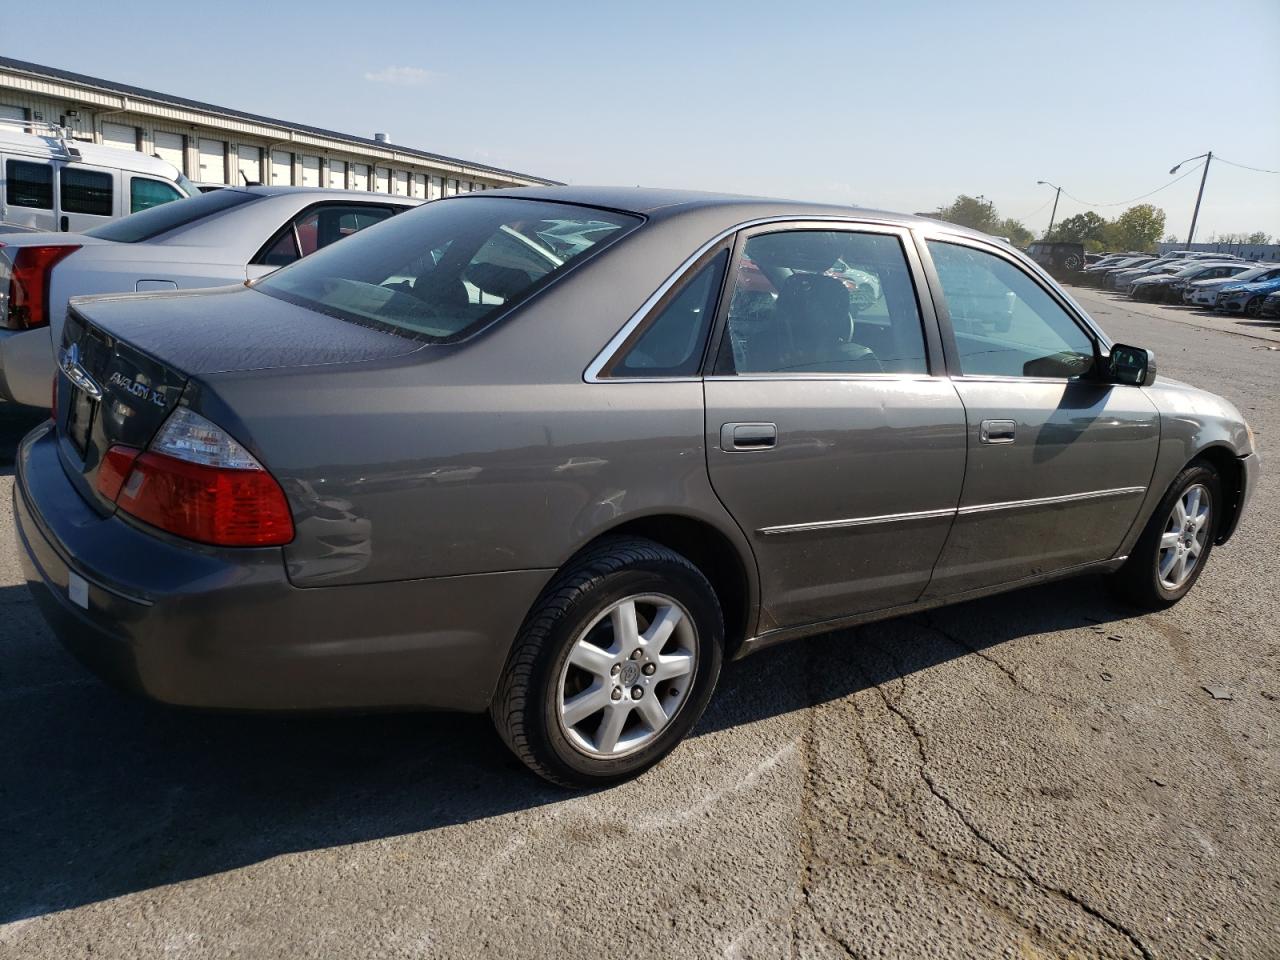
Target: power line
1035,211
1244,166
1121,203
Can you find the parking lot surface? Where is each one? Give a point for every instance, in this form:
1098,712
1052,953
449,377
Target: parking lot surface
1040,774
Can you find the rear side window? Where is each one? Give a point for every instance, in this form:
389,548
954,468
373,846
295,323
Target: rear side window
149,224
86,191
316,228
145,193
29,184
442,271
822,302
671,343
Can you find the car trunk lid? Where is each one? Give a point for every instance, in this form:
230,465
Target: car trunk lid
124,362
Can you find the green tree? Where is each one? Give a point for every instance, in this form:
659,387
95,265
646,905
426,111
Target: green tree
1081,228
976,212
1258,237
981,214
1138,228
1016,233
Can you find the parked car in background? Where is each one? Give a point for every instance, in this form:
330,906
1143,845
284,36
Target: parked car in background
1122,279
1062,259
1204,293
1271,306
1167,287
50,183
568,487
1245,298
1102,277
227,236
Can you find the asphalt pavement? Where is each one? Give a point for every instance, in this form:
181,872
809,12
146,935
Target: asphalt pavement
1044,774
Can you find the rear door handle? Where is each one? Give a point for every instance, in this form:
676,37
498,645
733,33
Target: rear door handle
997,431
743,437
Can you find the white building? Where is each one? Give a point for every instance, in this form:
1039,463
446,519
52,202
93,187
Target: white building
216,145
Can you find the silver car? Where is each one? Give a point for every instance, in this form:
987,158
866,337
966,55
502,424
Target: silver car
557,453
226,236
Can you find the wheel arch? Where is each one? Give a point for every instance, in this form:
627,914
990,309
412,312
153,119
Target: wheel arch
1227,465
729,566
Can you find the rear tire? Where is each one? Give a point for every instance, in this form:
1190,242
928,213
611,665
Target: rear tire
592,693
1174,547
1254,308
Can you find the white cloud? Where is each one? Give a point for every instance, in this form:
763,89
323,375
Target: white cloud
401,76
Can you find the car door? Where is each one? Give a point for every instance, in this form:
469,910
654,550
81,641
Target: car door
317,226
1058,461
88,196
831,436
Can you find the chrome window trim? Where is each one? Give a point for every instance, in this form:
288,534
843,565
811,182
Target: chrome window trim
602,359
949,511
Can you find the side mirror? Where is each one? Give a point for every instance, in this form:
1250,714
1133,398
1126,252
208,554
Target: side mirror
1135,366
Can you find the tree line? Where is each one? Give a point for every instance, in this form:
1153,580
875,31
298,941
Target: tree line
1140,227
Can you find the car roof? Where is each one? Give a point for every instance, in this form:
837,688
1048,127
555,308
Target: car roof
657,203
33,145
327,193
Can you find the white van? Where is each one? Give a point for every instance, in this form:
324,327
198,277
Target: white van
51,183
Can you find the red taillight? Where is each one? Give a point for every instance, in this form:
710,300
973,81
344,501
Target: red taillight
115,468
214,505
29,284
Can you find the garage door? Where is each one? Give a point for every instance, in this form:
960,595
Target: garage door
169,147
311,171
359,176
120,135
420,185
249,162
281,167
213,161
383,180
402,183
338,174
12,113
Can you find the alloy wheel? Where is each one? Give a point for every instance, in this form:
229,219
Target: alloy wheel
1185,536
627,675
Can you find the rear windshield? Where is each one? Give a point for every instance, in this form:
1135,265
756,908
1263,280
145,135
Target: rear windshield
442,271
151,223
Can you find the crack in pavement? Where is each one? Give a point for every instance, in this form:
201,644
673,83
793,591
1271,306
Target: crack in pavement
1049,888
929,623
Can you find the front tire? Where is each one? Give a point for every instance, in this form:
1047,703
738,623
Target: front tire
1254,308
613,667
1174,547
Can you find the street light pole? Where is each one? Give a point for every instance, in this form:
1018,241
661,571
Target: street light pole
1208,158
1052,216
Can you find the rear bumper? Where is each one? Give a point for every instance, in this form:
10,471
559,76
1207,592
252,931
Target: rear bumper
226,629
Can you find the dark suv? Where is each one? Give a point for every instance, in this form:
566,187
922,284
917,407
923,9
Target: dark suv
1059,259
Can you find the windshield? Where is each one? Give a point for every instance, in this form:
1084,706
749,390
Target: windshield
447,268
152,222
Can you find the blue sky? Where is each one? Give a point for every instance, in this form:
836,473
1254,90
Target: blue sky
898,105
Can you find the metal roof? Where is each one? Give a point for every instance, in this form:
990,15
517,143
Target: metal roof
125,90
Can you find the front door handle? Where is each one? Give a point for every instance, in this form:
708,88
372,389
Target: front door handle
743,437
997,431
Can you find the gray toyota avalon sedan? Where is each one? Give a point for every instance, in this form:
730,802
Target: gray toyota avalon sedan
556,453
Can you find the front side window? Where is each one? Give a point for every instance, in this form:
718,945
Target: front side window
443,270
821,301
672,341
86,191
1005,323
145,193
29,184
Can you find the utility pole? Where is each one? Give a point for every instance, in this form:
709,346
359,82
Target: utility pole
1054,215
1208,158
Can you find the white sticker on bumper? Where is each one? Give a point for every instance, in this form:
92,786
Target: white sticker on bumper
78,590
